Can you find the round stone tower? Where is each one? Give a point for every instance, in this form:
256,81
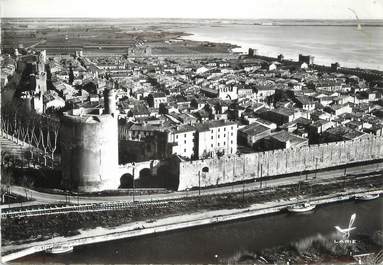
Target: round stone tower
89,148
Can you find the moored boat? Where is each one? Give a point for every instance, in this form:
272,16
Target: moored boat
60,250
366,197
301,207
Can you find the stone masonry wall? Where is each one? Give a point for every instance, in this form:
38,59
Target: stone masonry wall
249,166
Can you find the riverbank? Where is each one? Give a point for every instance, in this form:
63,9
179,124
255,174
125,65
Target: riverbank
140,228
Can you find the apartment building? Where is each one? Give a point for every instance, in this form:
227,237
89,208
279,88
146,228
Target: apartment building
216,137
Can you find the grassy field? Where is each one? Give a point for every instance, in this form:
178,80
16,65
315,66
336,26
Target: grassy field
57,36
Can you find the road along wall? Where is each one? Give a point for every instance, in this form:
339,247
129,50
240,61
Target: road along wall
233,168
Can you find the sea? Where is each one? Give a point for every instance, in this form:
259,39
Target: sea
345,44
328,41
220,242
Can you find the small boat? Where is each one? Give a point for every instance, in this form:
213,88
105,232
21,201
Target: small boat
301,207
60,250
366,197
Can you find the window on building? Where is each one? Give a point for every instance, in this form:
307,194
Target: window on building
231,142
232,127
218,144
224,135
185,150
224,129
231,134
218,136
212,137
185,135
211,145
224,143
177,136
185,141
218,129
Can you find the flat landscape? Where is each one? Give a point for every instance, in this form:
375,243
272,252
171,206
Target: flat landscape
101,37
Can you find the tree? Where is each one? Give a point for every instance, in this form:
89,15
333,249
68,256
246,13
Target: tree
7,168
194,103
126,181
90,87
206,154
167,178
146,178
150,100
162,109
209,110
27,183
311,85
220,153
218,108
71,76
269,100
198,116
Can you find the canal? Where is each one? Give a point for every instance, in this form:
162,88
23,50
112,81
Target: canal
209,244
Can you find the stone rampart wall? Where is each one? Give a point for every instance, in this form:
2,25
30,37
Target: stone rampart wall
250,166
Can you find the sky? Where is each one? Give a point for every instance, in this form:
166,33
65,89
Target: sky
231,9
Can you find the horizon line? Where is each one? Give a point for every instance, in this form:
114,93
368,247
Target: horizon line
190,18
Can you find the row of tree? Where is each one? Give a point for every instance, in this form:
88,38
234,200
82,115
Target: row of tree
36,130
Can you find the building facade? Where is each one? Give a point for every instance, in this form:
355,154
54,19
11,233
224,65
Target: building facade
216,138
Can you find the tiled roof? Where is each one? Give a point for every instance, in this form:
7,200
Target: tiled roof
284,136
254,129
213,124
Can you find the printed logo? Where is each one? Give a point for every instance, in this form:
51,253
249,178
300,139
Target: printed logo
345,232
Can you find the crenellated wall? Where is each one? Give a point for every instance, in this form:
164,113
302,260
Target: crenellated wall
277,162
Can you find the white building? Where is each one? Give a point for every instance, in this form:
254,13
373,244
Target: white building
227,92
216,137
183,139
263,92
155,99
